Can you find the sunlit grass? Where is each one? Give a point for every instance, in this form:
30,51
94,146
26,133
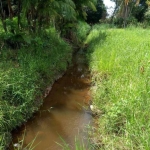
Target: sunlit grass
80,34
119,60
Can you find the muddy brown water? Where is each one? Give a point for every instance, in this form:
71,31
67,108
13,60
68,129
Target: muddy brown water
64,115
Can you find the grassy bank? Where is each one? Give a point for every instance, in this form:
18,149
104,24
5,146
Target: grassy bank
81,33
26,72
24,75
119,60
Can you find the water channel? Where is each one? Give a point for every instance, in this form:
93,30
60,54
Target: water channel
64,115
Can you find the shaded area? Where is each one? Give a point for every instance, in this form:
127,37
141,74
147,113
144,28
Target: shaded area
64,112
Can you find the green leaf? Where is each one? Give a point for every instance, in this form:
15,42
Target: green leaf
27,38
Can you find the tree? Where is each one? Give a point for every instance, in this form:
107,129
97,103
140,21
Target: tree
95,16
82,5
38,14
21,18
130,8
140,10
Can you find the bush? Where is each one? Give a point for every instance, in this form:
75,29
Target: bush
119,22
80,33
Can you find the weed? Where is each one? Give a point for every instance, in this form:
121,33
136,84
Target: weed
80,34
78,145
119,63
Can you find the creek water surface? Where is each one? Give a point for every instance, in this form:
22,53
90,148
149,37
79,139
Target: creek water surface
64,113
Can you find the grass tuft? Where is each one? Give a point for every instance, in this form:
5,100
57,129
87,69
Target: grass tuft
119,60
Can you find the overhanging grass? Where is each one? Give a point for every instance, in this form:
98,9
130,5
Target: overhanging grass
80,34
24,74
120,63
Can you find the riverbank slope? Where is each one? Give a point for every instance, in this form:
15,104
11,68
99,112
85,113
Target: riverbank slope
27,72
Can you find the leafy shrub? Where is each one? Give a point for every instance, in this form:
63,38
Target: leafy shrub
147,15
80,34
120,22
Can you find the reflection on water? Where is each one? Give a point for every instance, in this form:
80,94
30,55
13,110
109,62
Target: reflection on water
63,115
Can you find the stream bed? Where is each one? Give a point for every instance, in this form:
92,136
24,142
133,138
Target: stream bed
64,116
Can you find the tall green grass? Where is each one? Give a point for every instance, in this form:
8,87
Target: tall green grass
119,60
80,34
24,74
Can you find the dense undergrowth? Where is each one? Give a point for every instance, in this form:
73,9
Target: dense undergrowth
24,75
27,71
119,60
81,33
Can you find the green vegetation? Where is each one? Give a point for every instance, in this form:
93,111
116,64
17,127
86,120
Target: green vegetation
129,12
80,34
33,53
31,17
35,47
78,145
95,16
25,73
119,60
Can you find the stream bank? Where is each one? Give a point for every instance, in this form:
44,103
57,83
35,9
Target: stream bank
64,115
22,79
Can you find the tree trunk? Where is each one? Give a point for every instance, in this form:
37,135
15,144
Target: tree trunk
19,9
10,9
3,16
28,16
125,15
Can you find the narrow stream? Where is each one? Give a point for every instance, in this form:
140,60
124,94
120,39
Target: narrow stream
64,112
